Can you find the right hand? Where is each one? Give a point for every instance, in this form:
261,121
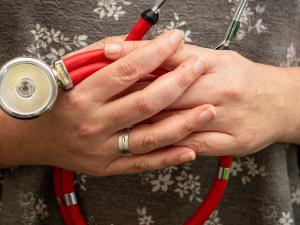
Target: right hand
80,132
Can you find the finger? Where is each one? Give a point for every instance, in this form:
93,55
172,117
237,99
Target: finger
141,105
203,91
165,114
145,138
152,161
123,48
183,53
211,144
123,73
99,44
134,88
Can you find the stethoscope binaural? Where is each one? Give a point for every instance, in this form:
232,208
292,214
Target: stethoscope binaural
29,88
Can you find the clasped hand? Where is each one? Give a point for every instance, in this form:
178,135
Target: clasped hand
211,103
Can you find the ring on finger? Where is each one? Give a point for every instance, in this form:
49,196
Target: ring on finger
123,143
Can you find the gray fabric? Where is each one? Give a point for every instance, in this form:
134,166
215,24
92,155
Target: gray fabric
264,188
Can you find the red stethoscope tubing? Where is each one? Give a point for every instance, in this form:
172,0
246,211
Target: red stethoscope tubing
57,186
213,197
95,56
83,65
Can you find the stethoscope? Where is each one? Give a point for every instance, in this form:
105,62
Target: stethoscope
29,88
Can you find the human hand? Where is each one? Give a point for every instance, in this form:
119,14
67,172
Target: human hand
80,132
256,105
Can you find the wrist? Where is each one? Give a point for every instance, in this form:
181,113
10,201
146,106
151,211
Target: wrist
11,143
290,80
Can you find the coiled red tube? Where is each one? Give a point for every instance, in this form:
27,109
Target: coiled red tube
213,197
67,189
80,67
57,186
84,58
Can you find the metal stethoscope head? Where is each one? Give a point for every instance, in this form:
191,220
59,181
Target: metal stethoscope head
28,88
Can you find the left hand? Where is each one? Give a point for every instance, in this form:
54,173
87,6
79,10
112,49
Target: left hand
255,103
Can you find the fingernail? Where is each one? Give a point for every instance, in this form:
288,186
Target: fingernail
187,157
176,37
198,66
207,115
112,49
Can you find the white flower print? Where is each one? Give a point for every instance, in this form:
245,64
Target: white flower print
180,179
213,219
162,182
56,54
81,180
251,20
111,8
248,168
291,57
34,208
143,218
177,23
188,184
41,208
50,44
295,197
286,219
236,167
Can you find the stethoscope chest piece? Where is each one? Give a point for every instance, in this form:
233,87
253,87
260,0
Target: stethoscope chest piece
28,88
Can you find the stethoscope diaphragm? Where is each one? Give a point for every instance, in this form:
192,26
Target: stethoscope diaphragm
28,88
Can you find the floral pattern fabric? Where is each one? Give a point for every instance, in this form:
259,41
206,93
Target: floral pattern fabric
264,188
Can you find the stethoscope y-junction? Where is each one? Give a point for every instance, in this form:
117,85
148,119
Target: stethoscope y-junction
29,88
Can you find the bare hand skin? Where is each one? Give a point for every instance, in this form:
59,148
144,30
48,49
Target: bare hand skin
80,132
256,105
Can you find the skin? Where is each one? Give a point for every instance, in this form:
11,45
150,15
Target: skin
219,113
80,132
255,104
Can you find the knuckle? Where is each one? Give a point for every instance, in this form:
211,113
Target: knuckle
184,79
128,72
244,142
187,127
228,56
162,50
163,163
140,166
85,130
76,101
232,93
150,142
145,105
199,146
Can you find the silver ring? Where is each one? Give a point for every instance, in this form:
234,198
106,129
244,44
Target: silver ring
123,141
